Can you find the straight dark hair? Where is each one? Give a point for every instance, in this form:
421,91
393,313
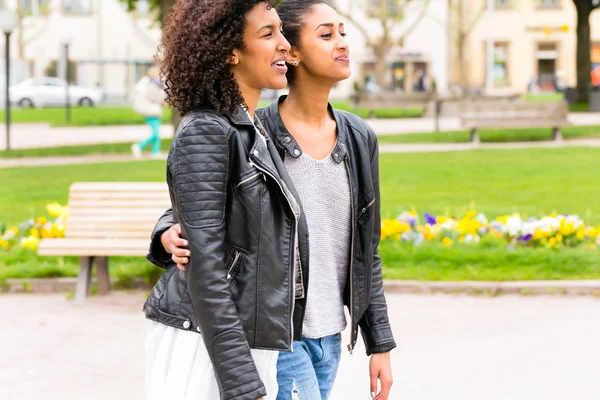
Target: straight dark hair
292,13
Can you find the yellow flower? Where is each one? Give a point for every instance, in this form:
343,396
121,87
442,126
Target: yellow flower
552,242
471,214
591,232
447,242
580,235
3,244
461,239
497,234
35,233
46,232
31,243
559,238
566,229
54,209
441,219
57,231
15,229
539,234
41,220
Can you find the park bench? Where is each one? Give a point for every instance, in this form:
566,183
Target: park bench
507,113
107,219
390,100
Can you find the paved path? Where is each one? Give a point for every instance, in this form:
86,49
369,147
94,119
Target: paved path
449,348
25,136
384,148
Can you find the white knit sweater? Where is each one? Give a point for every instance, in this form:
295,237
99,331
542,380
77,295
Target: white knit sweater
324,192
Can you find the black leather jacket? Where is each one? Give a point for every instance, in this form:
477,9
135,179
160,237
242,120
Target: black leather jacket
239,211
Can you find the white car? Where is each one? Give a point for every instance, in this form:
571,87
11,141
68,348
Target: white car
51,92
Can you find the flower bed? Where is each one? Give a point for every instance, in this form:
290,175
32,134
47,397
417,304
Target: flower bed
28,234
554,231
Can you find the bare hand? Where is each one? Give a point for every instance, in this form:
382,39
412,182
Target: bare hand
380,368
175,245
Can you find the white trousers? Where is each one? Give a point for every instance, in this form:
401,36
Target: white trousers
178,366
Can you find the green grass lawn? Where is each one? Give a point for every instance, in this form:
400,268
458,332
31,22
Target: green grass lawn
92,149
493,135
532,181
80,116
105,116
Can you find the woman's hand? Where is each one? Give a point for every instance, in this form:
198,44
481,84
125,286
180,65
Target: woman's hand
175,245
380,368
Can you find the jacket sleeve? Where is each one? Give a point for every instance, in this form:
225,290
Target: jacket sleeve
198,168
157,254
375,324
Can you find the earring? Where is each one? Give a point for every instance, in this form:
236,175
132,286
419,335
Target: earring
295,63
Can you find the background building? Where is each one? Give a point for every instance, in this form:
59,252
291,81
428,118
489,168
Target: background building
421,45
534,41
108,47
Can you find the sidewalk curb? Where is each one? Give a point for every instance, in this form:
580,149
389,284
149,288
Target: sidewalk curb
572,288
475,288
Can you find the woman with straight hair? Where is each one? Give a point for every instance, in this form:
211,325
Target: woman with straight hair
331,158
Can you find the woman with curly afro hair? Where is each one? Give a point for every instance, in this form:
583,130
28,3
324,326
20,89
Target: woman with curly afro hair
212,336
331,160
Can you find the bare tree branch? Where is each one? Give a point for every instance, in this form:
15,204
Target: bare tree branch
475,20
361,28
416,21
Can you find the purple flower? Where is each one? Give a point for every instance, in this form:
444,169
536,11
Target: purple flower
526,238
412,222
430,219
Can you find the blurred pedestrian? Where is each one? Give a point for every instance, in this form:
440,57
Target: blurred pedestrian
149,101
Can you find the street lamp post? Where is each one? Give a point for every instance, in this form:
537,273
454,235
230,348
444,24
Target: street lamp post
8,22
67,100
65,40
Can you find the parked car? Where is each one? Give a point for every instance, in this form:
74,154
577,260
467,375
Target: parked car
51,92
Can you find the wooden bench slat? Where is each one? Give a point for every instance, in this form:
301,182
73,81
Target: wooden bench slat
119,186
96,247
109,203
107,219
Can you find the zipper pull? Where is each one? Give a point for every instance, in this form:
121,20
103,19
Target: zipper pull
350,349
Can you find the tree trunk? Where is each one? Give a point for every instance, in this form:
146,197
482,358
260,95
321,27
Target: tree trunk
380,65
165,8
584,49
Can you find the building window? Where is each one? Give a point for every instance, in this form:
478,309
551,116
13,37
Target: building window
547,56
500,71
33,7
549,3
77,7
383,8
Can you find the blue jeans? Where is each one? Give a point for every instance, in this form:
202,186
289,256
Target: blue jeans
154,123
309,371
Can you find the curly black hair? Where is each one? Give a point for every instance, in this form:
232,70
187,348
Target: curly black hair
198,38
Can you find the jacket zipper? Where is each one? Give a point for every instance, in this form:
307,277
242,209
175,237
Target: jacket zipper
364,210
250,179
295,255
233,265
350,346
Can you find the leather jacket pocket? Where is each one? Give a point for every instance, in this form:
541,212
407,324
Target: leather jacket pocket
250,178
367,210
233,264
